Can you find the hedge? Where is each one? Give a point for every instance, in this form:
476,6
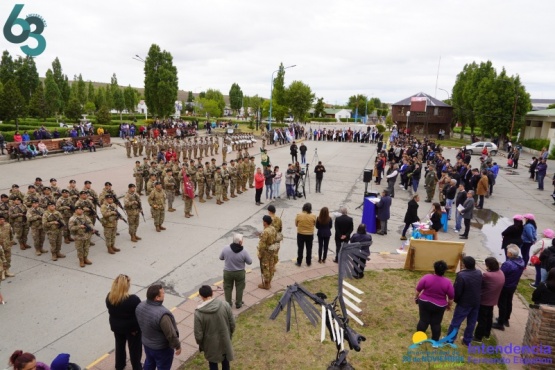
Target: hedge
8,135
326,119
536,144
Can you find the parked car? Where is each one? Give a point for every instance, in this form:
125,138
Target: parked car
477,147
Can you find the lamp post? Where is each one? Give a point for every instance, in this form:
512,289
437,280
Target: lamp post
272,90
408,115
447,92
138,58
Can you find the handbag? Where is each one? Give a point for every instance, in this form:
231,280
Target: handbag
535,259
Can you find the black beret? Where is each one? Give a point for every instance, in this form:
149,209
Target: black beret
267,219
131,186
65,191
53,179
107,183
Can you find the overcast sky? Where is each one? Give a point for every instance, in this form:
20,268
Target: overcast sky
387,49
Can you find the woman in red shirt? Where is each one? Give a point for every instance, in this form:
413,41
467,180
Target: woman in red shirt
258,185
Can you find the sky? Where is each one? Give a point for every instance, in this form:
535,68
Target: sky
388,49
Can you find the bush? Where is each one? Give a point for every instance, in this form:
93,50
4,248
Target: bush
380,128
8,135
326,119
536,144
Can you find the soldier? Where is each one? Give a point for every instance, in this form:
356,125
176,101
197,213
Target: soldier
15,193
135,145
276,223
141,144
252,169
34,218
73,191
209,177
213,170
150,184
188,195
18,220
430,183
157,201
81,227
244,166
265,255
138,175
88,207
211,146
205,146
232,179
225,176
195,148
4,206
216,145
176,169
91,195
6,240
128,147
52,222
218,181
29,197
169,187
46,198
224,151
240,176
56,192
145,173
38,185
192,173
190,149
133,207
64,205
110,223
107,190
148,148
201,182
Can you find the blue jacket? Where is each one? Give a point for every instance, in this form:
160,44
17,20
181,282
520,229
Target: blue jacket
383,208
468,288
495,170
541,168
513,269
529,234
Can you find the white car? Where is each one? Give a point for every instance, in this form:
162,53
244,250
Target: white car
477,147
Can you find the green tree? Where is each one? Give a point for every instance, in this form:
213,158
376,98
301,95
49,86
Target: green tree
100,98
551,106
89,108
210,107
81,90
217,96
12,103
7,68
131,97
299,98
119,102
357,103
161,82
37,105
74,110
52,95
103,116
319,108
26,76
255,103
279,105
62,82
189,106
108,98
389,121
235,97
90,92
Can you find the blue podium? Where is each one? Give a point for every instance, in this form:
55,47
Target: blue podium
369,215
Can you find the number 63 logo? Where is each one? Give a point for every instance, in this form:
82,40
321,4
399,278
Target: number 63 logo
25,24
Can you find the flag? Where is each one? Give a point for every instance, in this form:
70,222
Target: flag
188,186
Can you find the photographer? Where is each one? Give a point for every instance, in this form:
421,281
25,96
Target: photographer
290,182
298,175
319,171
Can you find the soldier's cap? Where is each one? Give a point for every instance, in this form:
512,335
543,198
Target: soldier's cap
107,183
169,170
35,200
200,166
82,192
38,179
252,157
218,168
2,217
46,188
206,163
271,208
109,196
139,162
65,191
224,164
53,180
15,186
31,187
145,159
232,161
17,198
157,183
152,163
78,207
267,219
88,182
51,204
3,196
72,181
192,161
213,159
131,186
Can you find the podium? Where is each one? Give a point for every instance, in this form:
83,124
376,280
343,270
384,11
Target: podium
369,215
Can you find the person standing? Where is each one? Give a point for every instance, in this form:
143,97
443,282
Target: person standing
17,215
235,258
541,171
459,200
361,236
123,322
267,238
467,212
110,223
64,205
529,236
449,192
80,226
302,150
482,189
305,223
319,170
52,223
34,218
512,268
157,201
434,295
343,228
323,225
259,180
159,333
293,149
290,182
277,182
269,181
213,328
492,283
133,207
468,287
391,177
6,239
278,226
383,212
169,187
430,182
411,216
219,185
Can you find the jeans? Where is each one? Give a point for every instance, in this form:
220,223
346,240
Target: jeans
135,346
538,275
458,220
383,224
407,225
323,244
303,240
214,365
543,275
525,251
505,304
448,206
485,320
269,188
160,359
290,190
257,195
318,185
540,181
303,158
415,185
471,315
276,188
236,278
430,315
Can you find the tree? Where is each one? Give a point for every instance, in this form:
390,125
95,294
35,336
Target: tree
131,98
100,98
103,116
279,109
90,92
389,121
7,67
62,82
319,108
81,91
299,98
12,103
52,95
37,105
190,100
89,107
210,107
235,97
551,106
108,98
26,76
161,82
119,102
217,96
357,104
256,102
74,110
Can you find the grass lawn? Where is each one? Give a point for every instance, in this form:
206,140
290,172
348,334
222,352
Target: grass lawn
525,290
390,318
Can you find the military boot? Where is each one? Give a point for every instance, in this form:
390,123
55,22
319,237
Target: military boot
60,255
133,239
81,262
87,261
54,256
110,250
162,227
136,237
158,228
115,249
22,246
43,251
38,252
8,273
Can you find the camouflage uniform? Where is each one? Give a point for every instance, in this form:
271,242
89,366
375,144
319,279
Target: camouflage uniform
252,169
34,217
277,225
195,149
6,238
218,183
64,205
150,186
225,176
16,194
157,202
5,208
18,215
192,173
201,181
110,223
265,255
169,187
209,176
138,175
51,224
29,198
82,237
128,148
45,199
430,183
133,207
73,193
233,171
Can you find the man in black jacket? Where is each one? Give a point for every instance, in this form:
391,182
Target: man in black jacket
468,288
293,149
460,199
319,171
303,150
343,229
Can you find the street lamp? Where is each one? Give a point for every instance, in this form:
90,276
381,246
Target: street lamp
138,58
272,90
408,115
447,92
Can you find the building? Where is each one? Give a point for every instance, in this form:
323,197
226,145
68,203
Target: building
541,104
426,115
540,124
334,113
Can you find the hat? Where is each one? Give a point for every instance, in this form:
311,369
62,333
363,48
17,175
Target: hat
53,179
271,208
2,217
31,187
36,200
15,186
131,186
46,188
109,196
529,216
267,219
224,164
548,233
72,181
157,183
78,207
218,168
213,159
82,192
61,362
38,179
107,183
88,182
169,170
65,191
3,196
51,204
200,166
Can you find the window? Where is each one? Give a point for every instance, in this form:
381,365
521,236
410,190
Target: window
436,111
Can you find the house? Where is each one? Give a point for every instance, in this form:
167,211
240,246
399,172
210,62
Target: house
540,124
422,115
333,113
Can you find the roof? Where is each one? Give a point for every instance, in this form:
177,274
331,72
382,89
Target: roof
542,113
431,100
